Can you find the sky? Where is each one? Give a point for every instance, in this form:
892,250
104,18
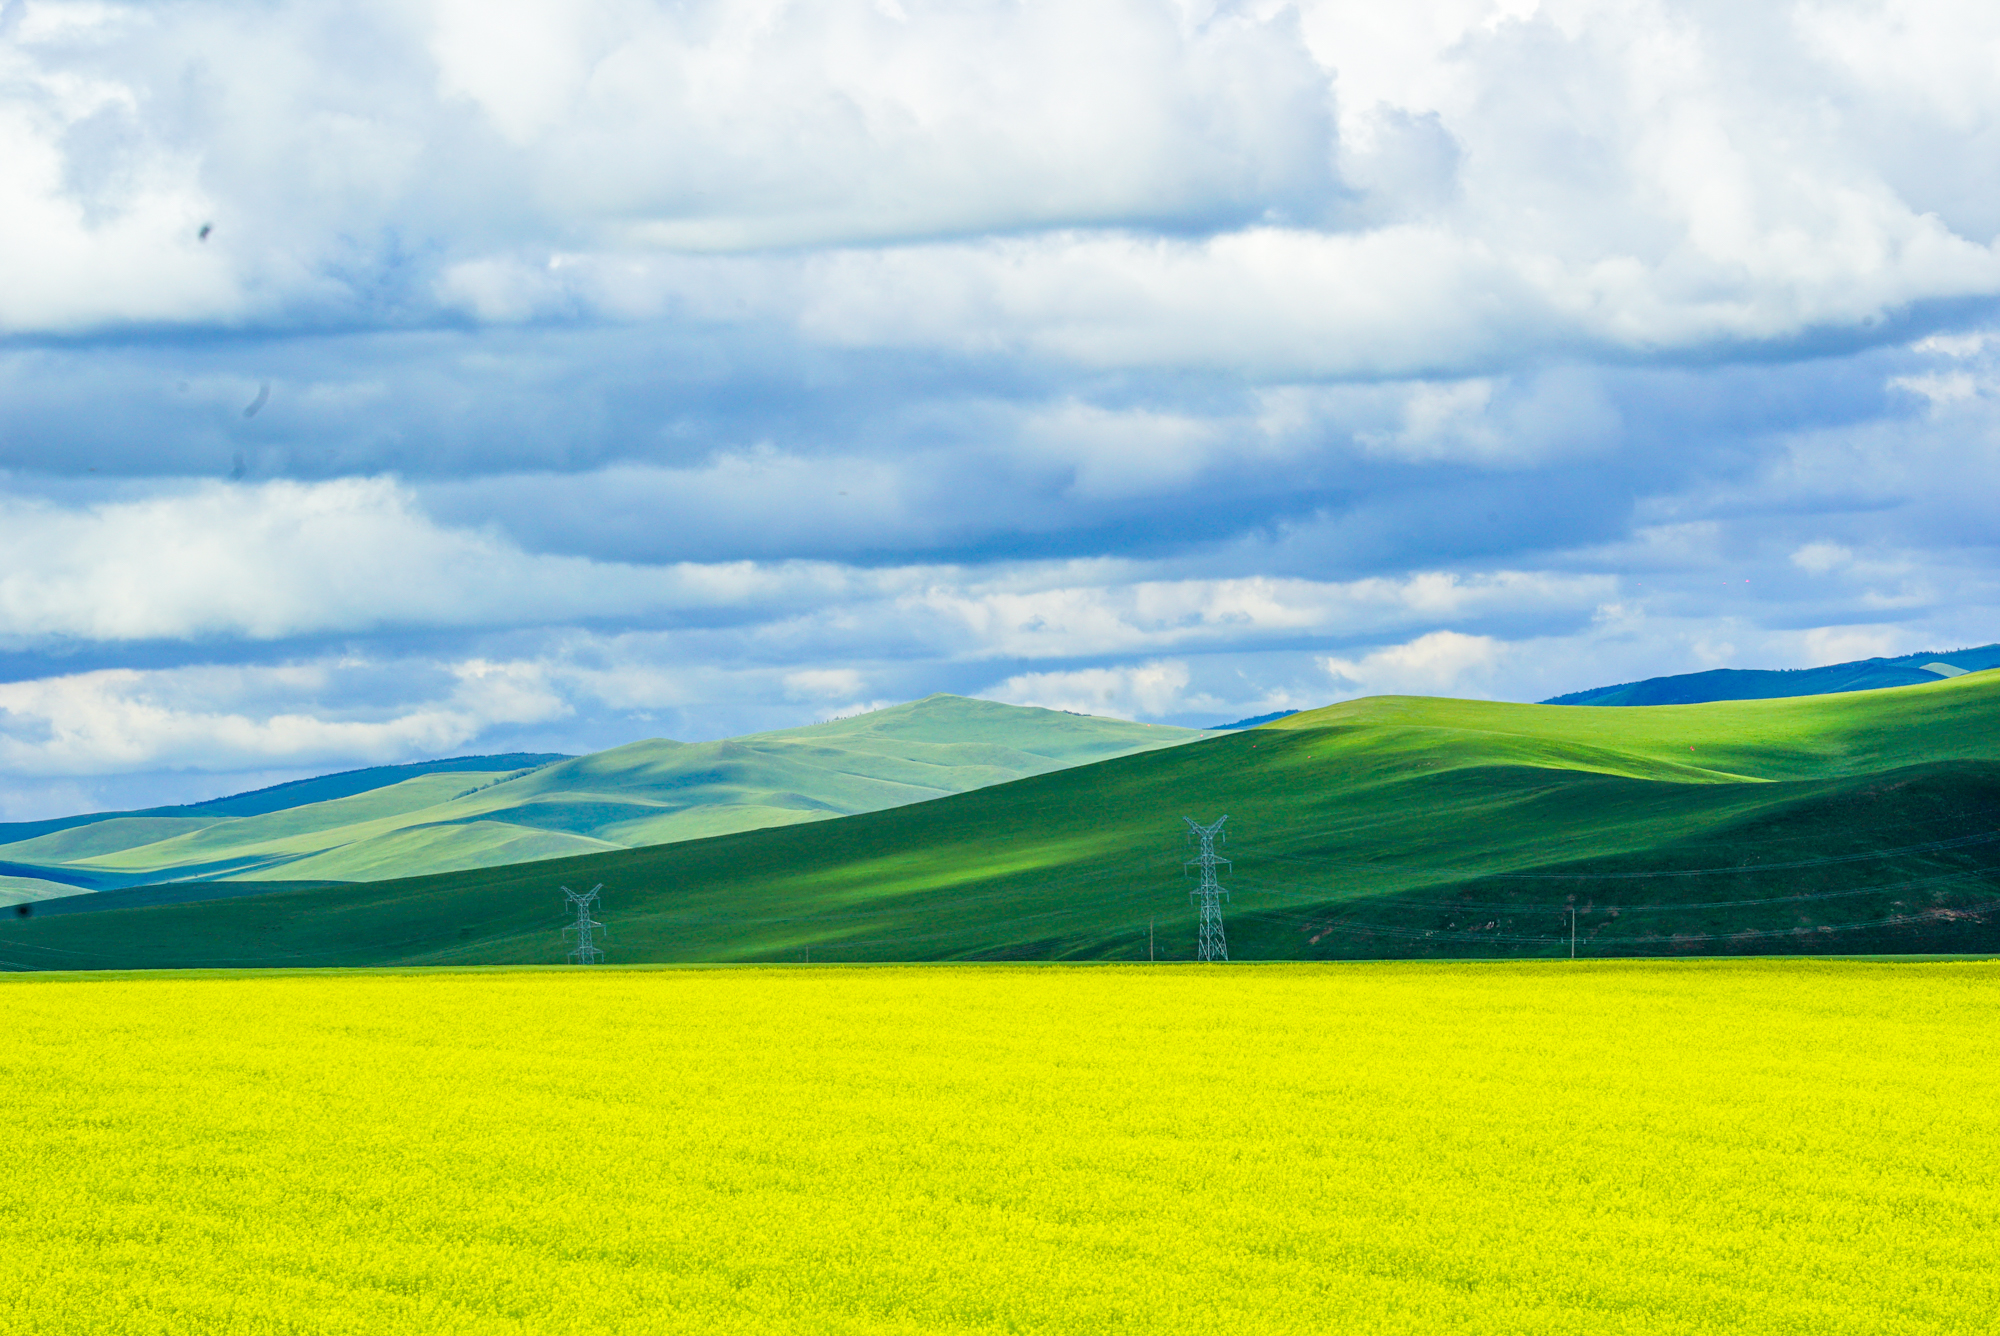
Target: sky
389,380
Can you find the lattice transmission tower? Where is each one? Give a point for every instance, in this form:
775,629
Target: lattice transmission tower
1210,893
586,952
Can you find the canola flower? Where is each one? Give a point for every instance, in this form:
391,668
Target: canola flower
1609,1147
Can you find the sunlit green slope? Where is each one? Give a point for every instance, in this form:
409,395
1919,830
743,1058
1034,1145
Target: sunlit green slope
61,854
647,793
1802,737
1385,826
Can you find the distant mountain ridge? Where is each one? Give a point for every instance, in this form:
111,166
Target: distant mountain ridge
1255,721
292,793
476,812
1720,684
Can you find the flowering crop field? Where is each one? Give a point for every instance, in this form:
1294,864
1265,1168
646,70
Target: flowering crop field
1742,1146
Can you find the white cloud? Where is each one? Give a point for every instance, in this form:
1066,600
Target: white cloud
1145,690
501,289
824,683
124,246
284,559
1939,57
1438,664
1114,617
1837,644
1963,371
1395,302
851,709
1136,452
740,362
722,126
1954,345
287,559
210,717
1522,178
1819,558
1942,389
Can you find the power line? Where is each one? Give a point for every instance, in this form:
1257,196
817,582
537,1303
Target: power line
1213,946
997,894
586,952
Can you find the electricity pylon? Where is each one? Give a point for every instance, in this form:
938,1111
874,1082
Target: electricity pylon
586,952
1210,892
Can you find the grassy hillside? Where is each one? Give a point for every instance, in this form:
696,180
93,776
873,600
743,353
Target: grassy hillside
1768,684
654,792
1855,822
278,797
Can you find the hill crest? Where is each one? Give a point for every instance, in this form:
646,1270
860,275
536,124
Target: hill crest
1720,684
441,816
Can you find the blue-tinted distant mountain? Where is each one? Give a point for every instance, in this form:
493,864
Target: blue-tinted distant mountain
296,793
1254,720
1765,684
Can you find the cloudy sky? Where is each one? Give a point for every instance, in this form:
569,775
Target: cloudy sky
389,380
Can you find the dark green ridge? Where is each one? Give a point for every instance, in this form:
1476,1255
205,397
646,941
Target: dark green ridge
1390,826
1769,684
161,893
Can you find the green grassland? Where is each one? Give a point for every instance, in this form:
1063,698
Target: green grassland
1866,822
652,792
1605,1149
19,890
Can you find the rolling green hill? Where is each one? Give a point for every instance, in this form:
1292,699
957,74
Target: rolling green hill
1766,684
1857,822
449,816
59,851
278,797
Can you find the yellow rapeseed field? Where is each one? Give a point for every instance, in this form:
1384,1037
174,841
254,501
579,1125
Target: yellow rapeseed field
1808,1147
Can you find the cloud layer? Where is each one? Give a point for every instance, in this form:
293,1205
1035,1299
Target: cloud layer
689,368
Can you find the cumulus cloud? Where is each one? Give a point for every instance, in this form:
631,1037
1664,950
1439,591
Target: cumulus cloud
224,719
824,683
1372,196
281,560
313,136
1083,620
1137,691
1442,663
720,126
702,367
1819,558
284,559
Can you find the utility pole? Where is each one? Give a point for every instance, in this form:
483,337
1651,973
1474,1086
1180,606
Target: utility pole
1149,939
586,952
1210,892
1572,932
